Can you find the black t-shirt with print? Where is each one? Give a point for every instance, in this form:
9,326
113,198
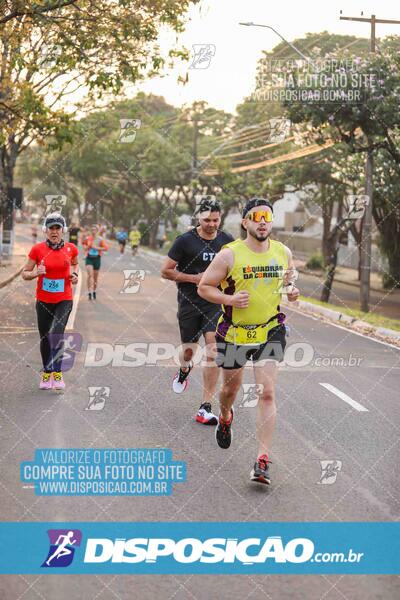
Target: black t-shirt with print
193,255
73,235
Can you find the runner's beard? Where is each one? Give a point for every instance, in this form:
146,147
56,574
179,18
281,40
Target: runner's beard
209,229
258,236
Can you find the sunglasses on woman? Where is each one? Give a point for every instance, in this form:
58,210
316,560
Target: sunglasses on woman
260,214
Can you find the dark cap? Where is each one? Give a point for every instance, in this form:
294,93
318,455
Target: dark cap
54,219
253,202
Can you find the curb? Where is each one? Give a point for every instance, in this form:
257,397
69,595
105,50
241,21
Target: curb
351,322
11,278
153,254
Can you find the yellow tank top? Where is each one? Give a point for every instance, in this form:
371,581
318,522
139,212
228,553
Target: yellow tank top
260,274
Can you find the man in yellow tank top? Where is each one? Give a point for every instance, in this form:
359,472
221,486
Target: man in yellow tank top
247,277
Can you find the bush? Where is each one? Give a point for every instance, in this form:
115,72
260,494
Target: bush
316,261
389,282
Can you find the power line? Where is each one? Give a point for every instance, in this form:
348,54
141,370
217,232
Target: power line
307,151
252,150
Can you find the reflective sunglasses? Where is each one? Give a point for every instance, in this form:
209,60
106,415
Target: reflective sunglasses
259,214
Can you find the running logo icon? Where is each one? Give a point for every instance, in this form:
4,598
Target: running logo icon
287,281
329,471
356,206
65,346
63,543
203,54
128,129
251,394
97,397
55,203
49,55
279,130
200,199
133,279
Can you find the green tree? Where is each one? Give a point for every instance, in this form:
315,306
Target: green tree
108,179
57,63
371,125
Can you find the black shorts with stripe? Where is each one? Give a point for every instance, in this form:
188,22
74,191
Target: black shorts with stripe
231,356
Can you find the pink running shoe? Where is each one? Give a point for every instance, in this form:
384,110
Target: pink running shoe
58,381
46,382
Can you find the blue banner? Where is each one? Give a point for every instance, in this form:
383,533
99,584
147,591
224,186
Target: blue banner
200,548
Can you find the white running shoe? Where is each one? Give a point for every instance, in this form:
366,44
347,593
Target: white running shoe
205,415
180,381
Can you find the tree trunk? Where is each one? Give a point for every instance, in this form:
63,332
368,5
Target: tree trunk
7,167
153,235
326,205
388,223
331,269
392,279
8,157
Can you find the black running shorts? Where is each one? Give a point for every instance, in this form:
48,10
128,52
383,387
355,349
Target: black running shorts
230,356
196,321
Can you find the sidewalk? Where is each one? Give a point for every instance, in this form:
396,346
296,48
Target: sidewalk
344,275
11,266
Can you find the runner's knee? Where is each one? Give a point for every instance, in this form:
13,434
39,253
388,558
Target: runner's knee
267,396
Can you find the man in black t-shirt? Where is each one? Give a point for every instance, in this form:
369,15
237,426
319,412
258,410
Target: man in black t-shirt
74,231
188,258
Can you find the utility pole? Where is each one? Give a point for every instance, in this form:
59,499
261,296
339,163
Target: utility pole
366,239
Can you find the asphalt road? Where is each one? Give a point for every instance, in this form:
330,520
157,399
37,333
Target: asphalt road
314,423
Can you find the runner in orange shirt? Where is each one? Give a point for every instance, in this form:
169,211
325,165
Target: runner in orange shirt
94,245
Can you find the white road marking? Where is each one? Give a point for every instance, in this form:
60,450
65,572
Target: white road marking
77,295
344,397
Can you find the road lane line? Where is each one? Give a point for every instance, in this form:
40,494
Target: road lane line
344,397
77,295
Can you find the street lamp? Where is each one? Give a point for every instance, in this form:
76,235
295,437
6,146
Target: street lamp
250,24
